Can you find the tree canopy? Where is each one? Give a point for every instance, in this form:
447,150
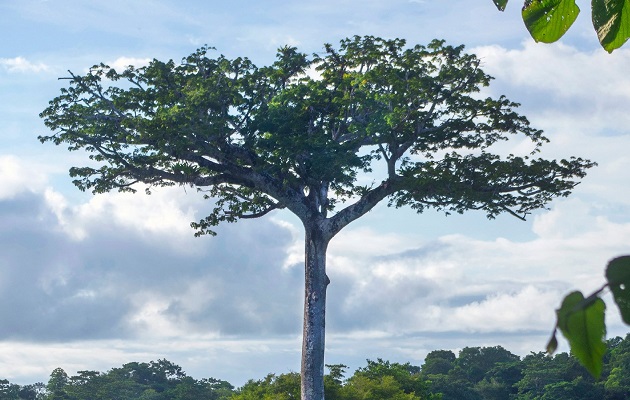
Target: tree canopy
279,137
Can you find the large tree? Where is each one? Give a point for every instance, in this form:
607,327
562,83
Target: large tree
304,134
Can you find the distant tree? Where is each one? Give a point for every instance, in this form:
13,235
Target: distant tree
453,386
545,376
500,381
617,381
8,390
32,392
476,362
477,373
577,389
438,362
273,387
334,381
12,391
384,380
57,385
409,120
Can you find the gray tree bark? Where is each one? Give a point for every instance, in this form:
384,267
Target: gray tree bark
313,339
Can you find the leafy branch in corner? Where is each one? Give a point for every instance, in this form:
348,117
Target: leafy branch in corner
581,320
548,20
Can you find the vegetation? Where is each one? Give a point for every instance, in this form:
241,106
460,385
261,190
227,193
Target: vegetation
582,319
476,373
408,121
548,20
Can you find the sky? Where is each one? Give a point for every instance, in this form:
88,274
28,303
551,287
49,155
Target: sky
90,282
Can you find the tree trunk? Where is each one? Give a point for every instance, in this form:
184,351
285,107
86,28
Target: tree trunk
313,332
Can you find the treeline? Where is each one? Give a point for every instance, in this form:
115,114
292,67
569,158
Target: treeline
476,373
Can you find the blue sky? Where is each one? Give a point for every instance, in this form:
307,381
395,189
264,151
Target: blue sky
91,282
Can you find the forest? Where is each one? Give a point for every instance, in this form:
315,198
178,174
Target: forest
475,373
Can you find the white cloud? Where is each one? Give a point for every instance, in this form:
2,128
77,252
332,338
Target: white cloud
121,63
559,69
166,213
528,308
18,176
461,284
22,65
568,91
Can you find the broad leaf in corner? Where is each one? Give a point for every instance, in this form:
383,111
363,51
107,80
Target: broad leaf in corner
581,321
618,275
611,20
548,20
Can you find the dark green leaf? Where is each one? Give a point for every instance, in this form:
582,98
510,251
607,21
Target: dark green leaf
581,321
611,19
618,275
548,20
552,346
500,4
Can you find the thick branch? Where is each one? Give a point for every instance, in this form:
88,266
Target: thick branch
362,206
275,206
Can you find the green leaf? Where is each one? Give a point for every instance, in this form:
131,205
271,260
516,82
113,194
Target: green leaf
581,321
611,19
548,20
552,346
618,275
500,4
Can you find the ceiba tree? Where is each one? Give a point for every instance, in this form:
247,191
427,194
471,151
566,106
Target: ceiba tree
305,134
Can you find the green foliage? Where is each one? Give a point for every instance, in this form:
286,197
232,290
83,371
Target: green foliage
56,386
384,380
280,387
618,276
500,381
11,391
582,320
548,20
476,362
611,19
156,380
378,380
582,323
495,373
477,373
438,362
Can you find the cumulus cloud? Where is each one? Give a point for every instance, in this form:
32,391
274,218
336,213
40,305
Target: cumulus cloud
121,266
22,65
165,213
17,176
457,283
568,90
124,278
